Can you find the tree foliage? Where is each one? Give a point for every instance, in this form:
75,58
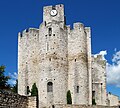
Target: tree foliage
34,90
15,87
4,79
93,102
69,98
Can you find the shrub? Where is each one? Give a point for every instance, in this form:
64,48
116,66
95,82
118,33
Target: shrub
34,90
93,102
69,98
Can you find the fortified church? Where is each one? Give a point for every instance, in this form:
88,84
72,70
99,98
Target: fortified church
58,58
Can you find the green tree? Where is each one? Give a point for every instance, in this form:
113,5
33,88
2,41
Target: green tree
15,87
3,79
69,98
34,90
93,102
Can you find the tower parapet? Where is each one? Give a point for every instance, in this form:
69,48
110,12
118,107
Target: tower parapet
78,66
99,80
27,44
78,25
54,13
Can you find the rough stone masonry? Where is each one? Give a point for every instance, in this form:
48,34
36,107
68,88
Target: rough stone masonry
13,100
58,58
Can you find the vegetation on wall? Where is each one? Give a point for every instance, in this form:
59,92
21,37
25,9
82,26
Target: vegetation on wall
69,98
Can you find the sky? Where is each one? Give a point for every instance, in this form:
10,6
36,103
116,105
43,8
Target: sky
103,16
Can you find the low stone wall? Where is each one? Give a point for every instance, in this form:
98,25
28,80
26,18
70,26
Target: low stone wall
32,102
13,100
82,106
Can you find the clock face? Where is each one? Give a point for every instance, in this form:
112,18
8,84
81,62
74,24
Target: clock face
53,12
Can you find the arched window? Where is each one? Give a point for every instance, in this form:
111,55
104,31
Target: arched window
53,106
49,87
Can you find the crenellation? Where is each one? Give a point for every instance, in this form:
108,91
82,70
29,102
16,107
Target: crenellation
68,28
113,99
78,25
99,60
88,29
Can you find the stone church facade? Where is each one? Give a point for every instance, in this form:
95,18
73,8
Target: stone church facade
58,58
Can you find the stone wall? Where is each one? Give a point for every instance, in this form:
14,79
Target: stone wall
88,34
113,99
32,103
78,65
82,106
27,59
13,100
99,80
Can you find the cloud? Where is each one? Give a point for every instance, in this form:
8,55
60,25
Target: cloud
12,82
113,70
13,77
116,58
103,53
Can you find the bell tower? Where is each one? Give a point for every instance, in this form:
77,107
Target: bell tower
53,66
54,13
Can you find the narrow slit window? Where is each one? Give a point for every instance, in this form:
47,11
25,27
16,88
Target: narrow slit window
20,34
28,90
75,60
45,23
46,36
53,106
27,30
50,31
93,94
77,89
53,7
47,46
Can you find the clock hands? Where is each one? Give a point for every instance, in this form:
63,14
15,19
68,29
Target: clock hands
53,12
